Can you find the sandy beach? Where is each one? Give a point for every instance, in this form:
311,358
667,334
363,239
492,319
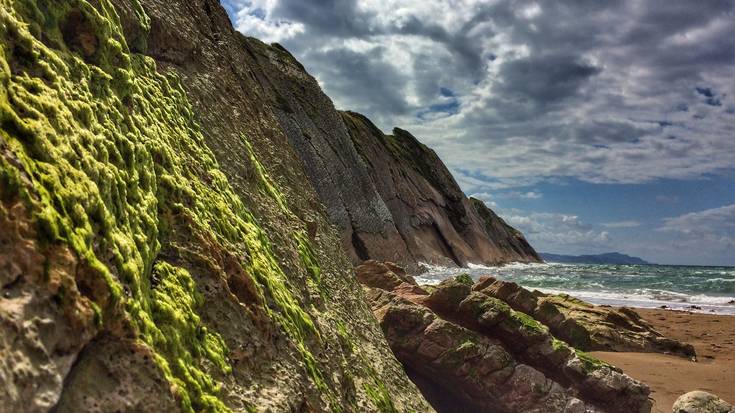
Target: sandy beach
712,335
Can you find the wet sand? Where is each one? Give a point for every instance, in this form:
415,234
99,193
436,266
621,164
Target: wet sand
713,337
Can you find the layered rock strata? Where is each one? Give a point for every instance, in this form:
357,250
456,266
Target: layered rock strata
583,325
436,222
464,346
161,247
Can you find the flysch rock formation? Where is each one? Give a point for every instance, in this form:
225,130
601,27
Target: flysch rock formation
181,207
583,325
391,197
437,223
161,246
472,346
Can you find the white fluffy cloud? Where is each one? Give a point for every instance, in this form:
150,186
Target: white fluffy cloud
523,195
552,232
622,224
709,231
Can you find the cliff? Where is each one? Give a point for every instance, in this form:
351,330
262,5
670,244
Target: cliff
161,247
181,208
437,223
391,197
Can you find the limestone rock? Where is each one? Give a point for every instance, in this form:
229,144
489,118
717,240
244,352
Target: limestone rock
474,369
161,244
383,275
437,223
432,332
583,325
701,402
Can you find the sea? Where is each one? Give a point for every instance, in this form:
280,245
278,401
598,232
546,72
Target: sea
691,288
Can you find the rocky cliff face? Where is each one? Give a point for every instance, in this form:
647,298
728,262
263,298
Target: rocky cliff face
161,246
437,223
391,197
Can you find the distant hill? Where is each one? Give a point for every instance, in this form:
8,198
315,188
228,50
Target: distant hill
606,258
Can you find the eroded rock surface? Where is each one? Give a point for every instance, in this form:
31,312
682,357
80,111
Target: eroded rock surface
474,368
583,325
161,246
701,402
437,223
479,350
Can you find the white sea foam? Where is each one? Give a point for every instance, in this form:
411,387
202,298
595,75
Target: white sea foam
656,299
514,265
648,287
426,281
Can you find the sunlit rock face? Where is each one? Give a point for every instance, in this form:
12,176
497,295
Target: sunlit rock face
161,245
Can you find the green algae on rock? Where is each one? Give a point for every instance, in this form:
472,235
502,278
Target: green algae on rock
112,152
454,335
175,332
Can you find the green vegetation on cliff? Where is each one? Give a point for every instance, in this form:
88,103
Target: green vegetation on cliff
112,161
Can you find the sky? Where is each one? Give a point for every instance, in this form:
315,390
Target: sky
590,126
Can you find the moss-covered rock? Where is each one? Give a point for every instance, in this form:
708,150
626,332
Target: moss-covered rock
443,336
582,324
122,223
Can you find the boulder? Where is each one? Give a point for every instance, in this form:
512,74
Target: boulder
701,402
383,275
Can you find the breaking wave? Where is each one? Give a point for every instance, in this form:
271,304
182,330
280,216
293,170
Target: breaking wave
706,289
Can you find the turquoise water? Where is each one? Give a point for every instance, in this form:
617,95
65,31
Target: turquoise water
646,286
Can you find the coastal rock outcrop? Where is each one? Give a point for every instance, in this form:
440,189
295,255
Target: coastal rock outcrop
701,402
479,352
437,223
161,247
583,325
168,190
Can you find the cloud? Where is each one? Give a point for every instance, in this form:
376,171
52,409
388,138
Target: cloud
543,80
709,231
622,224
605,92
552,231
522,195
487,199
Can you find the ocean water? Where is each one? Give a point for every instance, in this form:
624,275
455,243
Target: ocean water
644,286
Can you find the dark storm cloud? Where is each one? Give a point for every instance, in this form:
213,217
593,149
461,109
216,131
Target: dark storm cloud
380,89
543,79
338,18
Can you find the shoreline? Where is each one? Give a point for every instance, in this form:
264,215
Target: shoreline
713,337
611,285
705,321
684,307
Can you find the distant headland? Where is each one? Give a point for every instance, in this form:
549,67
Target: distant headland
606,258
